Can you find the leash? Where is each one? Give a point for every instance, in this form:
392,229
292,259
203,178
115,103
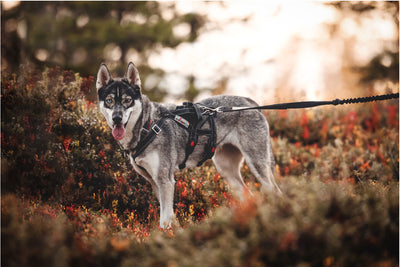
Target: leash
193,116
308,104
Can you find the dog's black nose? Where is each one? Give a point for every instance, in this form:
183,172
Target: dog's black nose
117,117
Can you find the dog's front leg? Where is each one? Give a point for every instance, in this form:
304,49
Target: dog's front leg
163,183
166,197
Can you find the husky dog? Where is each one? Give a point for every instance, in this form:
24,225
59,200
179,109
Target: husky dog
242,135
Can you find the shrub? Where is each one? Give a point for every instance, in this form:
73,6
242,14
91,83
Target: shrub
313,224
57,146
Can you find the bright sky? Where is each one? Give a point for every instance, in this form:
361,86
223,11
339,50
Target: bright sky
279,45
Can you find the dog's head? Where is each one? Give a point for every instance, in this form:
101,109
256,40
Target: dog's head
118,98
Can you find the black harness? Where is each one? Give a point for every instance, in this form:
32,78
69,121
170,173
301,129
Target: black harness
190,117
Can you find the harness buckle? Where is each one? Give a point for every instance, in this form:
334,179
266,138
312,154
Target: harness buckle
156,129
144,131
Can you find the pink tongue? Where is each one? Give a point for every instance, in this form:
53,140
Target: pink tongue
118,132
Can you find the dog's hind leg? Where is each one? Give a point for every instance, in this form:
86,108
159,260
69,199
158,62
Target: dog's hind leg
228,160
257,152
262,165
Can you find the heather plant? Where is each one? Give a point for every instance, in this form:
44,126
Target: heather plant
314,224
56,146
71,198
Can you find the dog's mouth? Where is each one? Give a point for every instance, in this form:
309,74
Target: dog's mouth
118,132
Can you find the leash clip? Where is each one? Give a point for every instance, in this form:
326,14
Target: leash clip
219,109
210,111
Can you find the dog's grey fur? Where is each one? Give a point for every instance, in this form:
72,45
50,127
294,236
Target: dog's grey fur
242,135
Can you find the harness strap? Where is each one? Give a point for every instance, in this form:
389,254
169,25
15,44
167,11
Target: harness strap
198,121
209,148
149,137
142,134
189,108
191,144
146,128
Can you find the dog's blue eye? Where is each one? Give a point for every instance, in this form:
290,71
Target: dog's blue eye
127,101
109,101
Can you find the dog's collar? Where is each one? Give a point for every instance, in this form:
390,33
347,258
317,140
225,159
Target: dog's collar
144,131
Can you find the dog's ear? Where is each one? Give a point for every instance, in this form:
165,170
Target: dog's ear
103,76
132,75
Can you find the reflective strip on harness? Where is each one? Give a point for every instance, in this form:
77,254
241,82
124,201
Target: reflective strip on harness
182,121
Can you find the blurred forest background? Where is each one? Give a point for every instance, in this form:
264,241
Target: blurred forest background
353,45
79,36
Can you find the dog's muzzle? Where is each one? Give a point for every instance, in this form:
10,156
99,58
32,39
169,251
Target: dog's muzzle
117,117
